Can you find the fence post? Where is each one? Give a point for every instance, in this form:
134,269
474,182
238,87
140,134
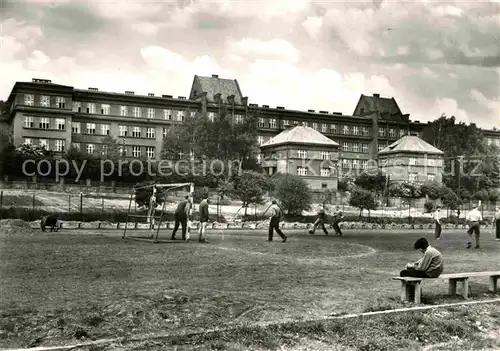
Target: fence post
81,205
102,205
69,203
1,201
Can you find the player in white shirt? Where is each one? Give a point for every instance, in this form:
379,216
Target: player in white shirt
437,221
474,219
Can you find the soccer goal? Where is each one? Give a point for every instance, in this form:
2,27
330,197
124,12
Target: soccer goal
151,218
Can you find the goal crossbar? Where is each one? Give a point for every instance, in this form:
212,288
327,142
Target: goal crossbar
170,186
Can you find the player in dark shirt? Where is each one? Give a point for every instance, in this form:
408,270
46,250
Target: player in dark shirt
181,217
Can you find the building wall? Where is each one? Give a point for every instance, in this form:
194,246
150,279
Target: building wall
413,167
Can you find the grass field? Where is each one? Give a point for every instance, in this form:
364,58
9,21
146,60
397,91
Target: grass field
79,285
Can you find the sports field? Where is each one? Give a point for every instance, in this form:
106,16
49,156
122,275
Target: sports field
74,285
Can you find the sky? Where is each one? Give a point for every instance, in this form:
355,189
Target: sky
433,57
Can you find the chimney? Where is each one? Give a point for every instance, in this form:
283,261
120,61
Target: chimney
217,98
295,123
244,100
280,108
376,95
266,106
93,89
323,111
230,99
311,111
215,76
167,96
151,94
337,113
130,92
182,98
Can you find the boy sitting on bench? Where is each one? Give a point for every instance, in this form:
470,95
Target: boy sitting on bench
429,266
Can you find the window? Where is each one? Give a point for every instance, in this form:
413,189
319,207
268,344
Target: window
432,162
28,121
402,133
272,123
345,130
381,131
77,106
315,125
123,130
150,151
381,147
28,141
90,128
238,118
150,133
355,130
105,129
105,109
76,146
90,149
122,151
413,161
29,99
90,107
324,186
165,132
192,114
345,164
412,177
136,132
60,145
151,113
302,153
180,116
60,123
431,177
355,147
364,148
392,132
45,101
43,143
324,128
167,114
123,111
75,127
44,123
333,128
302,171
286,123
260,139
355,164
364,164
60,102
261,123
136,151
365,131
325,155
137,111
345,146
259,158
305,124
325,172
497,141
211,116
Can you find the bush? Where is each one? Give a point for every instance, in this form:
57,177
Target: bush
429,206
294,194
363,199
199,194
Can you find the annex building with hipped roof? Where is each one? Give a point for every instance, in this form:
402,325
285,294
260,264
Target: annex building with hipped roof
305,152
412,159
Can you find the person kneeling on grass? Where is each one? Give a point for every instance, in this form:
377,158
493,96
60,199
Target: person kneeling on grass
51,221
320,222
429,266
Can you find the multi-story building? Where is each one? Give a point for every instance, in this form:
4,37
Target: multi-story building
57,116
412,159
305,152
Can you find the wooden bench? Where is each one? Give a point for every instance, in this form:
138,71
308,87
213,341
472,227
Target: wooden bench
410,285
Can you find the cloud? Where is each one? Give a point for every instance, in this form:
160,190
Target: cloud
9,48
493,105
428,73
37,59
449,107
275,49
162,59
403,50
313,25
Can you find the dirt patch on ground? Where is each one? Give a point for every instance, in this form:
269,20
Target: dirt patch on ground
14,227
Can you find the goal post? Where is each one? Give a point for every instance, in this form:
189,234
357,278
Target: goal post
155,221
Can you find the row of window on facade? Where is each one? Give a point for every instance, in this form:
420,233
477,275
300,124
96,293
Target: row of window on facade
493,141
327,172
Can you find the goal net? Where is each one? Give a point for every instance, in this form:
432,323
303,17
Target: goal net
153,198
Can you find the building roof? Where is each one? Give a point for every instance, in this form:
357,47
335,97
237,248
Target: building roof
214,85
411,144
300,135
381,104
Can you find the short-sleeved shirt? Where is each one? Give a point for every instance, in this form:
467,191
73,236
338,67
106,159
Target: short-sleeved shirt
182,209
203,211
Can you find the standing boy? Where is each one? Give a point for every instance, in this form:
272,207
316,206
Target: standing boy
181,217
337,217
497,222
203,219
474,219
274,223
437,222
320,222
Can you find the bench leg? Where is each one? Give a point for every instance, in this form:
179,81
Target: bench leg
417,292
465,288
404,291
452,288
493,284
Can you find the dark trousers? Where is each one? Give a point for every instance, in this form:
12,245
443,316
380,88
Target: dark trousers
497,223
437,231
274,224
336,227
320,222
474,229
412,272
183,222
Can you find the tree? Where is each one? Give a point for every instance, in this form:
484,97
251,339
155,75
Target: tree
251,187
293,192
406,190
143,194
363,199
433,190
372,181
451,200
